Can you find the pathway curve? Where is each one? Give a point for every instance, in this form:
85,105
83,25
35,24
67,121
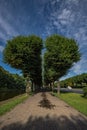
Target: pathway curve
43,112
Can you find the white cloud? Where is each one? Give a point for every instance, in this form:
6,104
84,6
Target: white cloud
65,14
1,48
66,17
77,68
70,21
80,67
73,1
3,36
54,1
8,29
81,34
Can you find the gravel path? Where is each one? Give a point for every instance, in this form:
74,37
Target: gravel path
43,112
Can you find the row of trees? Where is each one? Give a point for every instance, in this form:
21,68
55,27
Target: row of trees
11,81
24,53
78,81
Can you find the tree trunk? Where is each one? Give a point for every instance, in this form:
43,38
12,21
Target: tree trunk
32,87
58,87
37,88
52,85
28,88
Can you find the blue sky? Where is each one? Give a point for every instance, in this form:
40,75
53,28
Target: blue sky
43,18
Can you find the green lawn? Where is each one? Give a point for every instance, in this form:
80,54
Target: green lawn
12,103
74,100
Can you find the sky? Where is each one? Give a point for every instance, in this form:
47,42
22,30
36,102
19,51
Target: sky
43,18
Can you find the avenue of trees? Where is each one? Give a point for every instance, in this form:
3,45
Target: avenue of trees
24,53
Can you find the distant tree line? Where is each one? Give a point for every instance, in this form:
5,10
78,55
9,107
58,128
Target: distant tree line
78,81
11,81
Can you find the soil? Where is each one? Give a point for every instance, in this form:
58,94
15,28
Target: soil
43,112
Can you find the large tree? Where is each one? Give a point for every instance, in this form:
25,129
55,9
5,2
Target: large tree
24,53
60,55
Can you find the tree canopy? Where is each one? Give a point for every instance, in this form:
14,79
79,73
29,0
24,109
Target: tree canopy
24,53
60,55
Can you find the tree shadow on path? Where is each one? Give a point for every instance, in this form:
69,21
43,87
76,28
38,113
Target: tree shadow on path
45,103
50,123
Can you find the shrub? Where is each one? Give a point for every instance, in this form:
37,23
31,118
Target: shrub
85,91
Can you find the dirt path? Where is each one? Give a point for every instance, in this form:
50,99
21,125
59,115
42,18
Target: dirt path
43,112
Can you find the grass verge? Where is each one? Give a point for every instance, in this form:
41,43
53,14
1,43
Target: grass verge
11,104
74,100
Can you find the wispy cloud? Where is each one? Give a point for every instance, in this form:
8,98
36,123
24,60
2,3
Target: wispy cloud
81,36
69,19
73,1
66,16
80,67
1,48
45,17
3,36
7,28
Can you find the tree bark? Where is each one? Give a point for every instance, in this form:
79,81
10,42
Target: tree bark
52,85
28,87
58,87
32,86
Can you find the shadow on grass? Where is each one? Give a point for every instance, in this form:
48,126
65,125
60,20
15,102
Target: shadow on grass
50,123
45,103
85,97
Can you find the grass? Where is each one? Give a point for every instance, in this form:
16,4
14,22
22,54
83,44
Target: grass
11,104
74,100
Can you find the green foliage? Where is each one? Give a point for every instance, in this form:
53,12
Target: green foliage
9,93
24,53
59,58
79,81
10,84
85,91
10,81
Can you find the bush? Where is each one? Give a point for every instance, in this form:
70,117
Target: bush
9,93
85,91
11,81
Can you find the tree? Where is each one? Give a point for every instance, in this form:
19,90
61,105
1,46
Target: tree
78,81
60,55
24,53
11,81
